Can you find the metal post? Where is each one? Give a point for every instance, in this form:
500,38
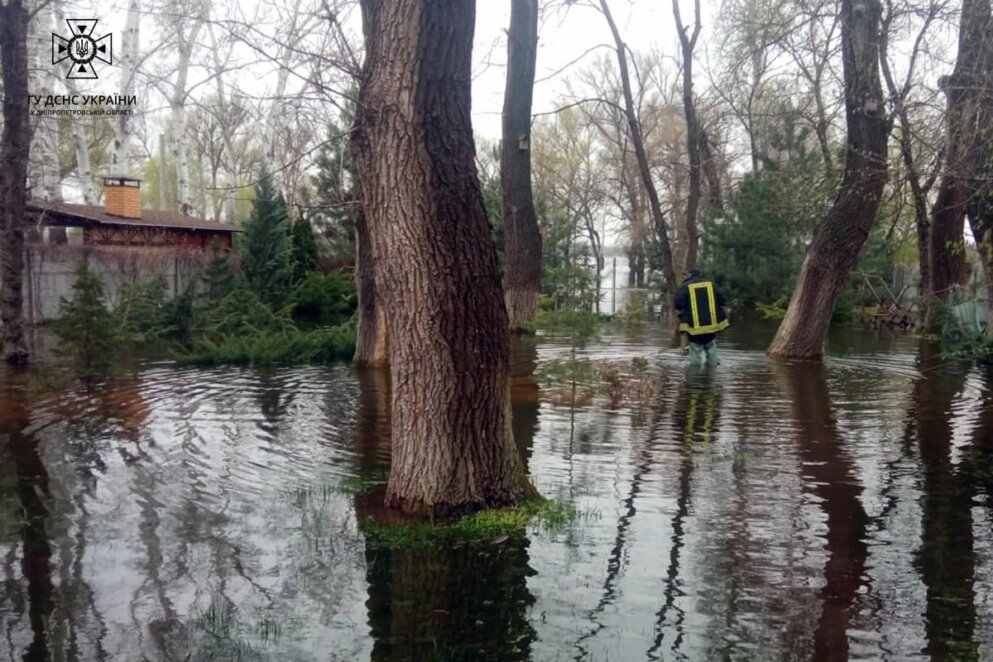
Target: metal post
613,286
162,172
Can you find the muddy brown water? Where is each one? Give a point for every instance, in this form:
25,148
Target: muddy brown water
763,511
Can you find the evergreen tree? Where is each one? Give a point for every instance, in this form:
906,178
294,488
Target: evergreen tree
85,329
304,249
266,246
216,275
336,194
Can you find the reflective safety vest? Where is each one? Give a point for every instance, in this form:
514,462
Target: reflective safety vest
699,309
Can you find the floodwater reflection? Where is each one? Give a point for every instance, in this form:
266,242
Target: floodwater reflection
763,510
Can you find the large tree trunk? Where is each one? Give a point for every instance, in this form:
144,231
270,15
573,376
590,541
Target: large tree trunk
634,126
15,144
840,238
130,47
371,341
946,243
522,268
960,189
436,265
693,133
978,15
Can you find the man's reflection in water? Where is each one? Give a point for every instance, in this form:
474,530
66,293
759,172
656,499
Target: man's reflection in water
695,418
467,601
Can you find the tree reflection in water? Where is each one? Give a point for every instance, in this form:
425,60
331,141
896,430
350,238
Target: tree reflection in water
830,474
468,601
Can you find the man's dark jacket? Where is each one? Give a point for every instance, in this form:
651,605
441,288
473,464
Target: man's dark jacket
700,305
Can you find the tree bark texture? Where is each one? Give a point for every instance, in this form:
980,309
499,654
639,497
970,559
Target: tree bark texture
977,30
956,190
946,242
522,238
840,237
435,263
371,341
634,126
15,142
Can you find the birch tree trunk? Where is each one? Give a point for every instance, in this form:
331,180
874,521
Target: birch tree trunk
15,146
46,183
277,108
180,148
231,182
436,265
80,144
122,131
522,248
839,239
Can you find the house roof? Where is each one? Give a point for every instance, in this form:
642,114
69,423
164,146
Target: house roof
149,217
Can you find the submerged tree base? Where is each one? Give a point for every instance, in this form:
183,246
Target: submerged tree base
492,526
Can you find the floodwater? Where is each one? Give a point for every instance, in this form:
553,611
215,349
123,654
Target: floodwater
765,511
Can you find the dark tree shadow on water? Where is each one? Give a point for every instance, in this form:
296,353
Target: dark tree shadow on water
31,487
946,558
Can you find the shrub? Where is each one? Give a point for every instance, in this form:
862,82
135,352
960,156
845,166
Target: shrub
325,299
291,345
85,329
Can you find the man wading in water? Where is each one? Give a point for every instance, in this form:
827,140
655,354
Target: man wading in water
701,316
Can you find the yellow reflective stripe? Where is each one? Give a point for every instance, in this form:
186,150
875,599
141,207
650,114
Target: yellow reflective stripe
712,302
693,306
690,422
708,420
698,330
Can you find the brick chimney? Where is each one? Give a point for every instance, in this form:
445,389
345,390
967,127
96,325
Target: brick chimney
122,196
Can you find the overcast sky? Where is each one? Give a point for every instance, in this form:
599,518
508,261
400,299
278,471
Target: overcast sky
563,37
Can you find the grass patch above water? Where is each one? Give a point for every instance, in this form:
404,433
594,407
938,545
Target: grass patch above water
487,526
